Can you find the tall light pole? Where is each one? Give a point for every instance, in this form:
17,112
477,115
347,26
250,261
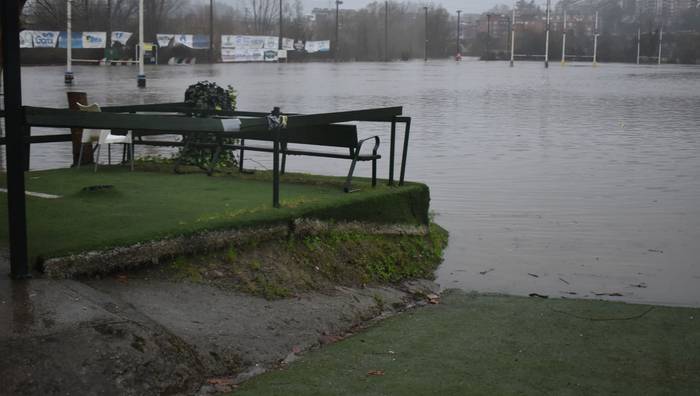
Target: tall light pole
488,36
211,31
639,39
141,78
459,44
425,50
512,37
546,40
595,41
279,44
386,31
68,77
661,35
337,14
563,41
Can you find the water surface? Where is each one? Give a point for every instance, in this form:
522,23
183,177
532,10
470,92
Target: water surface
573,181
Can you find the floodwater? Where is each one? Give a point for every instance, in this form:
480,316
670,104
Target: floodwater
576,181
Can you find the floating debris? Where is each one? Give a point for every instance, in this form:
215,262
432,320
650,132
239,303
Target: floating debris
486,272
564,280
538,295
533,275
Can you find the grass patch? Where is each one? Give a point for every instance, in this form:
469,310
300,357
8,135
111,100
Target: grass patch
152,203
499,345
281,268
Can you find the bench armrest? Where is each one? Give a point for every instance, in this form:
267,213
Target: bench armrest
374,149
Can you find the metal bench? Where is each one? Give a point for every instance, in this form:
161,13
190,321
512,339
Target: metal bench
335,135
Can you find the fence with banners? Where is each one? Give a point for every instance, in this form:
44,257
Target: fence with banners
241,48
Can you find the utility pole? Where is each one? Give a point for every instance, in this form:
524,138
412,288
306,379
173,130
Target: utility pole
386,31
279,44
488,36
68,76
546,40
211,31
109,23
337,43
661,35
595,41
639,39
512,37
563,41
425,50
459,44
141,78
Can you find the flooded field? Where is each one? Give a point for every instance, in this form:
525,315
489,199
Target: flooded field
573,181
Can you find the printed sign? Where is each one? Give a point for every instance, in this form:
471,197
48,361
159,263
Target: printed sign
298,45
164,39
184,39
120,37
242,55
271,55
26,39
94,39
44,39
288,44
76,40
318,46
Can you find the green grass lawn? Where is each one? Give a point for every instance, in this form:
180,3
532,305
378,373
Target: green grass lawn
148,205
499,345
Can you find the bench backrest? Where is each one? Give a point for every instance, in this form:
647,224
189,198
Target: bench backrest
326,135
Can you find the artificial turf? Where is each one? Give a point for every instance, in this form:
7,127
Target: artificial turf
499,345
153,204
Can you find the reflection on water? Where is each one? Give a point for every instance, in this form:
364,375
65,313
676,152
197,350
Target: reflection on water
569,181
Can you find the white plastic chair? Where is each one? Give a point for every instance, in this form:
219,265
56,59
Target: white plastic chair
103,136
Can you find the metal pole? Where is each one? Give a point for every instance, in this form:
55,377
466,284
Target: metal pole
337,14
386,31
488,35
546,40
425,50
68,76
109,23
595,41
639,39
512,37
563,42
661,35
279,44
141,79
14,125
459,46
211,32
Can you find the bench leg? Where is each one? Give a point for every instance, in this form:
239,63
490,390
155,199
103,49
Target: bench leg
348,181
374,173
186,139
284,158
240,156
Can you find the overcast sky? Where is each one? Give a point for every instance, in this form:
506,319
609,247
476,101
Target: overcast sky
467,6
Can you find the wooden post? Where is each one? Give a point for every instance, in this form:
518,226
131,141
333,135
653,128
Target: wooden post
77,133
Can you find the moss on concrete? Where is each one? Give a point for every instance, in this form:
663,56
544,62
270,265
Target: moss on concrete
316,256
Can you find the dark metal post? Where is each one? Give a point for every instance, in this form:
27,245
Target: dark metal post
392,145
279,46
459,46
425,50
14,125
337,43
276,169
386,31
405,150
211,31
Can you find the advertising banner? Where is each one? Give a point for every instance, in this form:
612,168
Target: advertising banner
288,44
271,42
94,39
184,39
318,46
120,37
43,39
249,55
200,41
164,39
76,40
26,39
